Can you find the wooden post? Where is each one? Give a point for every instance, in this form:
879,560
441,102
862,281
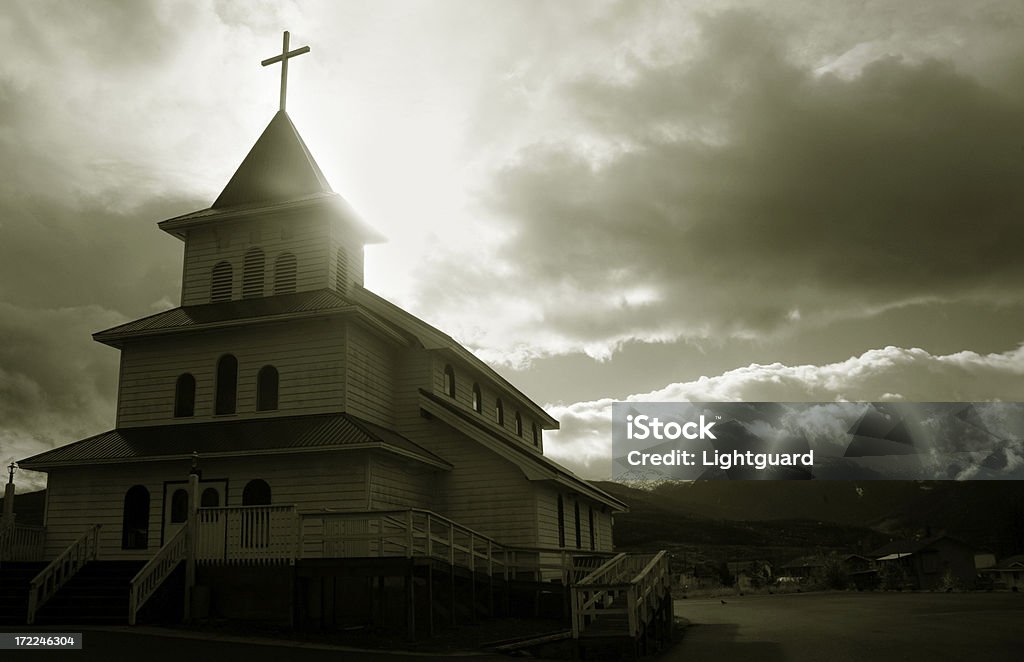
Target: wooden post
410,599
190,534
409,536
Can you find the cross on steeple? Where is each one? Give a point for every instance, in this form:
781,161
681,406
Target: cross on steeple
283,59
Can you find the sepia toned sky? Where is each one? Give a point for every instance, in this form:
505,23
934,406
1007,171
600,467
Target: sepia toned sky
658,200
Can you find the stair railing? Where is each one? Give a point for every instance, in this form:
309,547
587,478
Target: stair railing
46,584
152,575
624,594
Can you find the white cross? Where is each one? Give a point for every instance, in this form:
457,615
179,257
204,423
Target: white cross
283,59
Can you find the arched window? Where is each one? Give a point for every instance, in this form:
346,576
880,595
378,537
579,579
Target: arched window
210,498
266,388
185,396
561,521
179,506
256,493
227,384
499,412
135,519
579,537
285,270
519,424
478,400
590,521
449,381
221,282
256,525
252,276
341,271
536,434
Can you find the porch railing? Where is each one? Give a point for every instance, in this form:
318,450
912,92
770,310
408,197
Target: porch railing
247,534
61,569
21,542
279,534
423,533
152,575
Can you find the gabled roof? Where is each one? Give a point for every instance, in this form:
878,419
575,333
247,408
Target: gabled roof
1015,561
432,338
276,435
207,314
904,547
278,168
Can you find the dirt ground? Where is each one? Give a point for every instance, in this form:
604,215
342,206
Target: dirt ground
842,627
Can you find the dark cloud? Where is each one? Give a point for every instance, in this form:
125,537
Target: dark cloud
891,373
741,192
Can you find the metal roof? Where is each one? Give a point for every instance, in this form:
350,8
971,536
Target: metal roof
279,167
281,434
214,313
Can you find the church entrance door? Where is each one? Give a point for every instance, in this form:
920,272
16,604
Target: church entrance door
212,494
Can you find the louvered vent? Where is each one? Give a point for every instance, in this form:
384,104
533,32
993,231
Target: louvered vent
220,284
285,270
252,278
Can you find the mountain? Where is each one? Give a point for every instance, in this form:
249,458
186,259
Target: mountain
987,514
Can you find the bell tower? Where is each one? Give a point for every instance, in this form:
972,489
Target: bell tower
277,228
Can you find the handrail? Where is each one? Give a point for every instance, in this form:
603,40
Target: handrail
46,584
602,570
650,566
152,575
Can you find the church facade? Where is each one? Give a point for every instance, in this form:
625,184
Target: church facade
282,380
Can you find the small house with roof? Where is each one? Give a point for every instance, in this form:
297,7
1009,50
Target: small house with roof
928,563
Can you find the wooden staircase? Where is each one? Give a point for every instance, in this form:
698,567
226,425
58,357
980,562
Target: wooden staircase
15,578
97,594
626,602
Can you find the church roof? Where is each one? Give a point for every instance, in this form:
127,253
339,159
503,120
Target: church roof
283,434
185,317
535,466
278,168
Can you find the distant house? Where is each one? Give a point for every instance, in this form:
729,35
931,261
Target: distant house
801,568
858,563
1007,573
927,563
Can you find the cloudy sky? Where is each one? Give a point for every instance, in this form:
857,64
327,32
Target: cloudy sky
606,200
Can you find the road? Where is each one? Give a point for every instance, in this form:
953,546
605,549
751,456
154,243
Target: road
846,627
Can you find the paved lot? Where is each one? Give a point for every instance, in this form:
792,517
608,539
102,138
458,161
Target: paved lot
842,627
152,645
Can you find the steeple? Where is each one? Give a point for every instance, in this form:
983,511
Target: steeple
278,168
277,228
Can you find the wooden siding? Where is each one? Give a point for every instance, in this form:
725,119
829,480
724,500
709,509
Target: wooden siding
464,380
547,519
397,484
305,236
309,356
369,376
484,491
78,498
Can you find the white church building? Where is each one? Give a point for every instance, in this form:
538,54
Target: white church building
285,416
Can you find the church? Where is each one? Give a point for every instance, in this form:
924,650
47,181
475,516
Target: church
286,431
